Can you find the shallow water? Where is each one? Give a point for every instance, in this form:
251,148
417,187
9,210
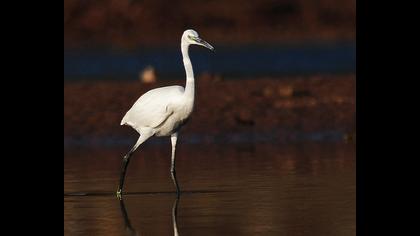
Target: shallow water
261,189
235,62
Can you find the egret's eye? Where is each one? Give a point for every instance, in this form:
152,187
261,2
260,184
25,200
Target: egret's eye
191,37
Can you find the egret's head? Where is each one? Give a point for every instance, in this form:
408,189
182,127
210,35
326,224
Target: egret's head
191,37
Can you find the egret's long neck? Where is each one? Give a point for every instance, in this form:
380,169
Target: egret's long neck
189,86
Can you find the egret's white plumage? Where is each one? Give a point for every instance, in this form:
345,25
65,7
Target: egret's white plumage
162,111
153,108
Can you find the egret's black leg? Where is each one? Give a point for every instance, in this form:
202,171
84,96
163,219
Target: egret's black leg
174,179
174,138
126,160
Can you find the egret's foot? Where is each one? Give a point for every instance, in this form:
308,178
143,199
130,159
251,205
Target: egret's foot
119,194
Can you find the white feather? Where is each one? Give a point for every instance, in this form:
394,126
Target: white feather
153,107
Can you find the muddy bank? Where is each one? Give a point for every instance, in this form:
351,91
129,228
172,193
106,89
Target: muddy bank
311,104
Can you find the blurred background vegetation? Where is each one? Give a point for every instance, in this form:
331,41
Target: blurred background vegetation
125,23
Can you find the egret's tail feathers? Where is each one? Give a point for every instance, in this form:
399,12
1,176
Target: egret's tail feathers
124,120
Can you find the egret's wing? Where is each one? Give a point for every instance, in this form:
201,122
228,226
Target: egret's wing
148,113
153,108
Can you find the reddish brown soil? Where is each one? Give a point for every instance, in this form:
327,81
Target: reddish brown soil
308,104
128,23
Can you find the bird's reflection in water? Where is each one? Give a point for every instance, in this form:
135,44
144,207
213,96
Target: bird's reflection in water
129,229
132,232
174,215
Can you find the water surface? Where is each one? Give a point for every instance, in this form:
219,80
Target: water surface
260,189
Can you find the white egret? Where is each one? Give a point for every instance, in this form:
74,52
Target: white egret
163,111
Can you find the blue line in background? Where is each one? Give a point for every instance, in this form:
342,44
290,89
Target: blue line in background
242,61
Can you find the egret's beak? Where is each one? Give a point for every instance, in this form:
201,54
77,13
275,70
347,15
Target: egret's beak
203,43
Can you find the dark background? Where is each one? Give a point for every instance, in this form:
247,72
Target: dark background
127,24
287,66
